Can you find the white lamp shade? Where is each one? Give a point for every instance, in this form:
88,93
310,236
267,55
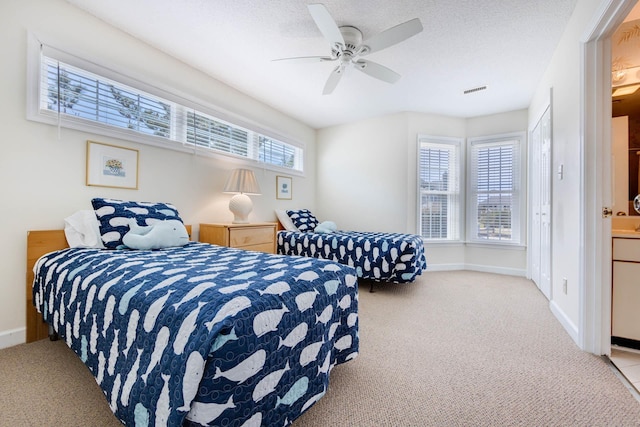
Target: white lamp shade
244,182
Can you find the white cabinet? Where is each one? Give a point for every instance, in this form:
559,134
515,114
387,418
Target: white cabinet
625,316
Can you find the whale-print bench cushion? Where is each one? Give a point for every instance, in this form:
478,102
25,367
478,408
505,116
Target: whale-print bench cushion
303,219
202,334
114,215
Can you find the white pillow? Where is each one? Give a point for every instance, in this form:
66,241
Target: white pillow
82,230
285,220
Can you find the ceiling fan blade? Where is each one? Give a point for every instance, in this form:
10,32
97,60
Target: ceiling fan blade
326,24
376,70
393,36
306,59
333,80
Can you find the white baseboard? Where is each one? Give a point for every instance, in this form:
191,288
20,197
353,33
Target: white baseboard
566,323
13,337
481,268
497,270
445,267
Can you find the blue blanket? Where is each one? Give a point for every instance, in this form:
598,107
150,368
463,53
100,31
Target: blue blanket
202,335
384,257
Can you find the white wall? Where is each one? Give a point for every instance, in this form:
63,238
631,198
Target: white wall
366,180
564,76
366,170
361,174
43,176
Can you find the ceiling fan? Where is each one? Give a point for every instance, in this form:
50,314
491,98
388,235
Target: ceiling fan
348,48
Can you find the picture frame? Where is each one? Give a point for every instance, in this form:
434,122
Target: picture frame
284,190
111,166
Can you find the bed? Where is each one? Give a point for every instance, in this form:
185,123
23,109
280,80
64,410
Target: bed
199,334
379,257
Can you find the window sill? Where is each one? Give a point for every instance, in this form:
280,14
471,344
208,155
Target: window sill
511,246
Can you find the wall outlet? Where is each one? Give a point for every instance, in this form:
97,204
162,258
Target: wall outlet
564,285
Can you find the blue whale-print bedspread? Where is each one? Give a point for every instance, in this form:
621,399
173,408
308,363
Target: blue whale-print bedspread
202,335
384,257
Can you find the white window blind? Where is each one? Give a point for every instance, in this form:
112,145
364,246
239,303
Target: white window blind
206,131
277,153
439,189
80,96
495,190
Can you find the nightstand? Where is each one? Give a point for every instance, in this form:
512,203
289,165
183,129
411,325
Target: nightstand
257,236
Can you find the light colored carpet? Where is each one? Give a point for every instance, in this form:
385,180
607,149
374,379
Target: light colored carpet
451,349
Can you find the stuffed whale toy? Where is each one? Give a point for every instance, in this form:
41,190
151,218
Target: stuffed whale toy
162,234
326,227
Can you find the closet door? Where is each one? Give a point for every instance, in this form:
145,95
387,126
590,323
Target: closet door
545,205
540,203
534,203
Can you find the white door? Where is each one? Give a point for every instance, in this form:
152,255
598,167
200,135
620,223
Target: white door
534,202
545,205
540,202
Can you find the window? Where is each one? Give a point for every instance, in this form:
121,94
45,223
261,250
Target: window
206,131
79,94
439,188
495,182
277,153
75,93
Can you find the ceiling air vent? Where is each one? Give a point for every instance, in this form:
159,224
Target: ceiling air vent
475,89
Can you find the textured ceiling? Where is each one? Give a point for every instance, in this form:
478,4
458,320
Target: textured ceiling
505,45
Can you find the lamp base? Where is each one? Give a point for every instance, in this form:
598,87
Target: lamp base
241,206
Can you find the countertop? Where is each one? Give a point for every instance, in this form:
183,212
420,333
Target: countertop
627,234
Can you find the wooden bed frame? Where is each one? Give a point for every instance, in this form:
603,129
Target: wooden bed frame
40,242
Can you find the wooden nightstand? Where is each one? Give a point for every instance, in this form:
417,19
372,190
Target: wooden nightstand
257,236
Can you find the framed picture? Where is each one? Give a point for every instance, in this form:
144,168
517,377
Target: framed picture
283,187
111,166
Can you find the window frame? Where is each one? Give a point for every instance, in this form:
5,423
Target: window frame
518,217
458,144
181,104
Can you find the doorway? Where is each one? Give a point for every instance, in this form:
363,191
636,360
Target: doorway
625,65
625,82
596,178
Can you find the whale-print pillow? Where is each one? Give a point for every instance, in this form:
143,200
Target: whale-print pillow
114,217
303,219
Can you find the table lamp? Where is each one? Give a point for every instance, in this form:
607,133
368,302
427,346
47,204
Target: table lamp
242,182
